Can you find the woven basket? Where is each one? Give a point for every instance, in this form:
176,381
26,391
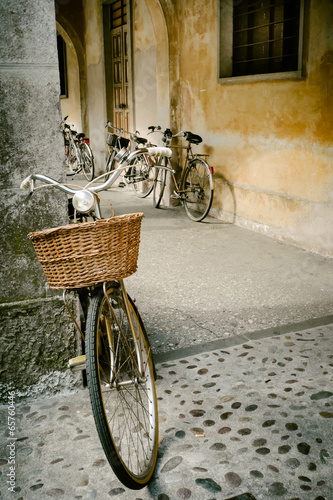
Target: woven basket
81,255
112,140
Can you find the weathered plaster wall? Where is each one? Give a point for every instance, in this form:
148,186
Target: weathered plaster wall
31,142
144,53
269,142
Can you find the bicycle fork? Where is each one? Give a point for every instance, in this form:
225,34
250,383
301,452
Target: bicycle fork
135,358
79,363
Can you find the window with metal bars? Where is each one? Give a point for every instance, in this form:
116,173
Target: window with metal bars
118,13
260,37
62,59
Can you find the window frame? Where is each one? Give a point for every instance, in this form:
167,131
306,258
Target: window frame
225,49
62,60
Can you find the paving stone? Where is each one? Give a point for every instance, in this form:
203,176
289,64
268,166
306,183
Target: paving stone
244,438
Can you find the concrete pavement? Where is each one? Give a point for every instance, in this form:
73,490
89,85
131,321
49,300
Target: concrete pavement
197,282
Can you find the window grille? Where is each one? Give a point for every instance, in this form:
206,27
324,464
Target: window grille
118,13
61,45
265,36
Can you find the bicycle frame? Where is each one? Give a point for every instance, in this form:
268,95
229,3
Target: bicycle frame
189,156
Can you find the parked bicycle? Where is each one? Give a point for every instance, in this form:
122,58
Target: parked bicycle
79,157
92,259
195,189
140,175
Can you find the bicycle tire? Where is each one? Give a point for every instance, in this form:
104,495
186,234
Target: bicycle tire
125,415
197,189
141,169
88,166
110,163
71,160
159,184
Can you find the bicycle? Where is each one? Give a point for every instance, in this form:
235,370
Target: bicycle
195,188
79,157
93,259
140,175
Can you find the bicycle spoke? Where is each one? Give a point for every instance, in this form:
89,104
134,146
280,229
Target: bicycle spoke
197,191
128,403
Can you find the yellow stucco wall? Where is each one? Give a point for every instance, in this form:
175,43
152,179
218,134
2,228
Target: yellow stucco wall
144,77
269,142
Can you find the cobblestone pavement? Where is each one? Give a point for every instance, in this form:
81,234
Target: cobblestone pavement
248,419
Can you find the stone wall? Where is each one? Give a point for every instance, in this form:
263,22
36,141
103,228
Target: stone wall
34,342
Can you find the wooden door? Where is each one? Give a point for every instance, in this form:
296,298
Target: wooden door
120,77
116,42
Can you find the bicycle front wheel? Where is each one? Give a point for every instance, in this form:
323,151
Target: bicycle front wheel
159,184
123,400
197,189
71,160
141,176
88,166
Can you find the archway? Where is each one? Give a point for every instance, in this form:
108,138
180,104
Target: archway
75,104
71,102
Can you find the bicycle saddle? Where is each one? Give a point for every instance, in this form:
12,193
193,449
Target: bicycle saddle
192,138
140,140
80,136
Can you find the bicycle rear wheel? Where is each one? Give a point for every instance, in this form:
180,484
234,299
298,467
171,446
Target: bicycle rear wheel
159,184
123,400
87,162
197,189
141,176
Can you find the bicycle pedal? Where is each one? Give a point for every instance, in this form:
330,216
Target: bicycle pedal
175,196
121,184
77,364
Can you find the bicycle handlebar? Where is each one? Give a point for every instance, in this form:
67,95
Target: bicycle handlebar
168,135
29,182
121,130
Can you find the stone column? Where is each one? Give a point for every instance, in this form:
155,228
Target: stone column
37,337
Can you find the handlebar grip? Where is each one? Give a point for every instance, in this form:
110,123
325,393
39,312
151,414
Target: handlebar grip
159,151
26,183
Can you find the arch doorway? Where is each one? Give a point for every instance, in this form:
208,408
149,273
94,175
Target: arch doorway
70,97
136,64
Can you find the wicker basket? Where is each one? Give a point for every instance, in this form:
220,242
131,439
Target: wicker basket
112,140
80,255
